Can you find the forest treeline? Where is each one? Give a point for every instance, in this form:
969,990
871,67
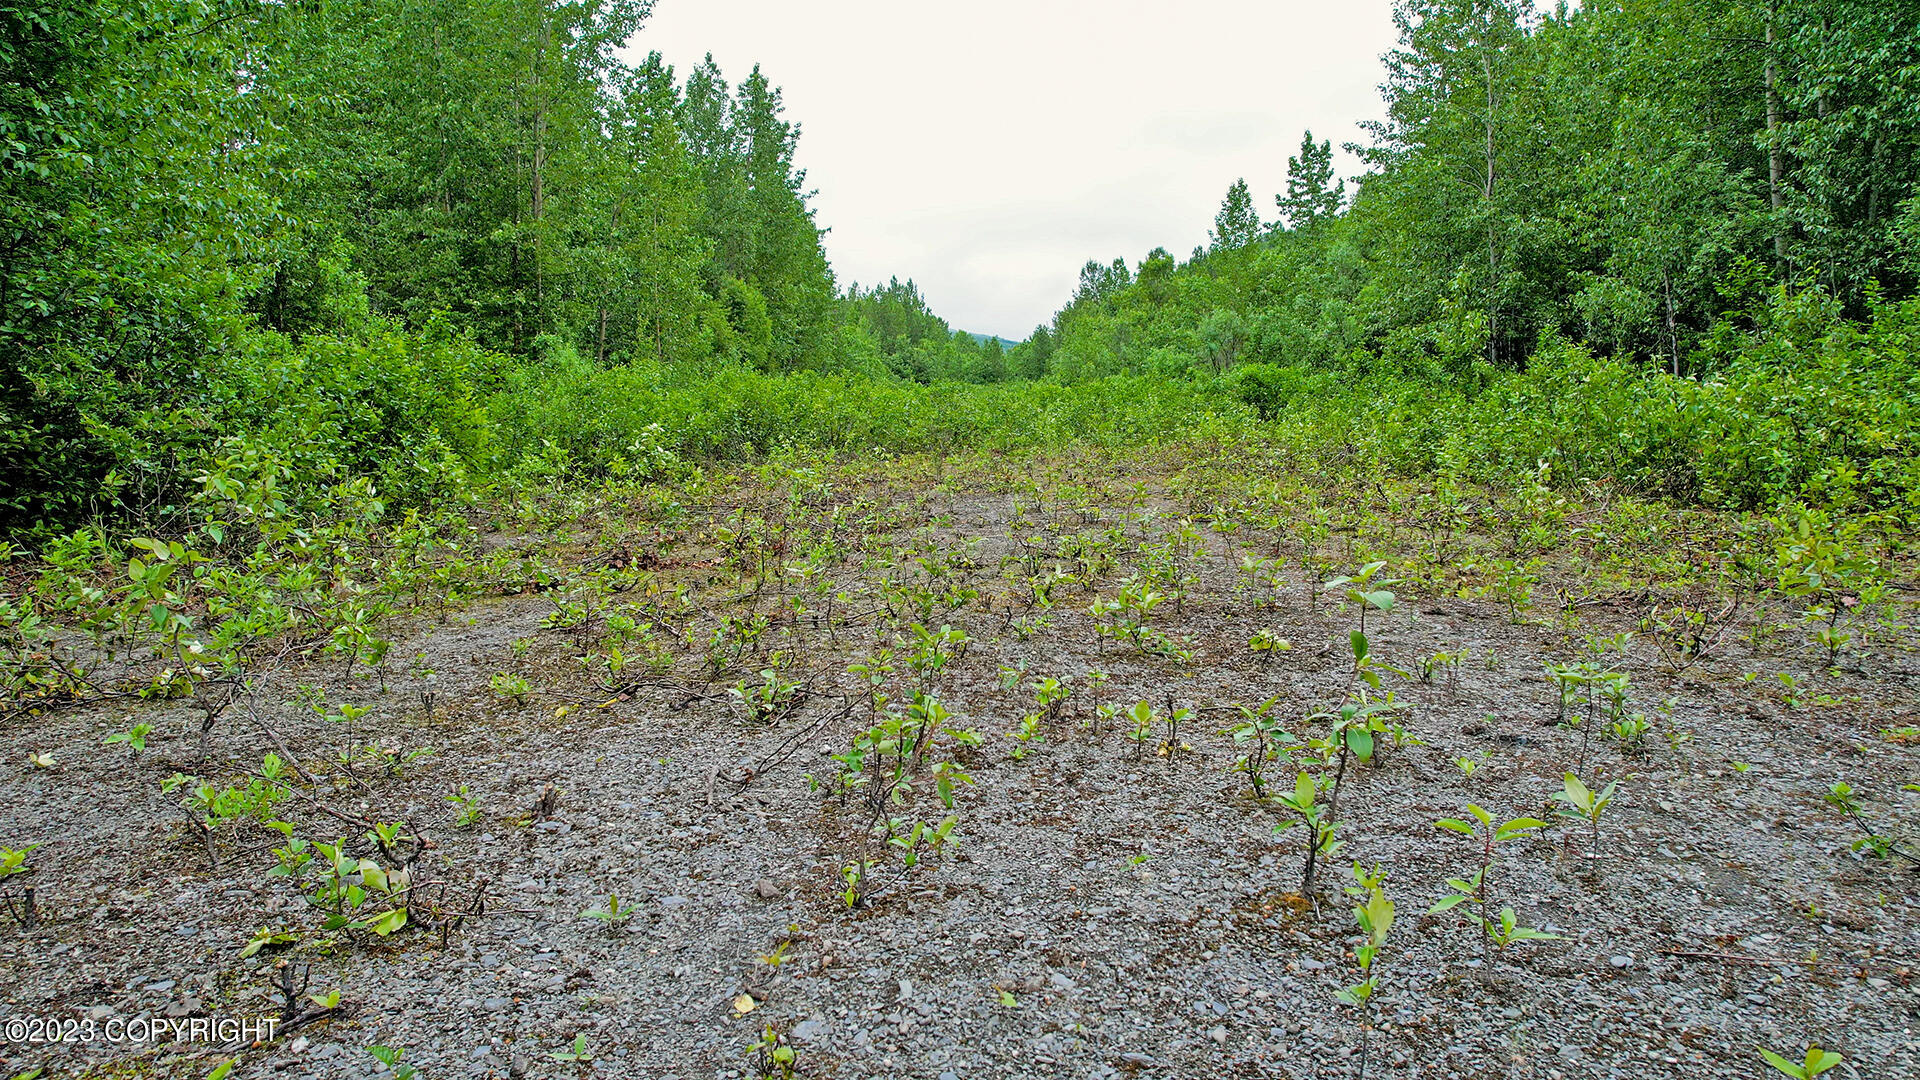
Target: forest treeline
1670,243
332,230
293,246
1621,174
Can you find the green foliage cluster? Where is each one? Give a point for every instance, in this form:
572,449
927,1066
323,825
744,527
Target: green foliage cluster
334,230
1668,243
267,250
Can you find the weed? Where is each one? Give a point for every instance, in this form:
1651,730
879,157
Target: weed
390,1057
467,811
773,1056
577,1053
1505,929
1816,1062
134,738
1815,561
1374,914
1512,585
1476,889
1793,691
14,860
770,699
1840,796
510,686
1025,734
1265,643
1584,804
612,913
1318,819
1447,664
1265,741
1687,635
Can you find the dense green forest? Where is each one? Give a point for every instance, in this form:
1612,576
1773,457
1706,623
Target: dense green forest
1670,243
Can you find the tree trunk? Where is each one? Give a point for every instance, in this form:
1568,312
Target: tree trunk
1776,155
539,165
1493,250
1873,181
1673,333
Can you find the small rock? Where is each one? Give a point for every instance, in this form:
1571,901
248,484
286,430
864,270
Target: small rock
1061,983
1218,1035
809,1031
1621,960
765,889
674,901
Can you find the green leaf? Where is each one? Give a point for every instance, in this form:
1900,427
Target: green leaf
1359,646
1446,903
1516,827
1360,741
1782,1064
1454,825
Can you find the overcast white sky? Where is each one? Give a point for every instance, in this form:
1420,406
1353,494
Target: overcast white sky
987,149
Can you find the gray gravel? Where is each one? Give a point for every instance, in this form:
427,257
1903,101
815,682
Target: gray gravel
1135,910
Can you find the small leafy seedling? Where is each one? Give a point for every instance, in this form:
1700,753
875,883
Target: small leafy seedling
1475,888
14,860
1585,804
1817,1062
613,913
135,738
390,1057
1318,819
510,686
577,1053
467,811
1374,913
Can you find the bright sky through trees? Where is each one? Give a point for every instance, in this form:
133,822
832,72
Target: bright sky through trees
987,150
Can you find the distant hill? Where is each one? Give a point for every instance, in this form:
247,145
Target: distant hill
982,339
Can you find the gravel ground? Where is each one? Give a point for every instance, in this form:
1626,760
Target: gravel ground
1107,913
